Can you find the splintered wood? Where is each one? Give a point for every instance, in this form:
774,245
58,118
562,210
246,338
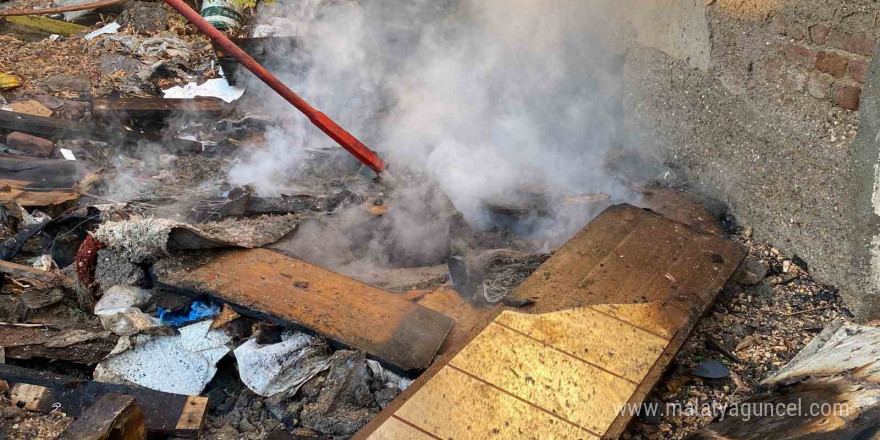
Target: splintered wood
612,308
291,291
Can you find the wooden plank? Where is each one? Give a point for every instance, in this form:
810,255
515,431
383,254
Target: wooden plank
47,25
164,414
469,319
159,108
113,416
53,128
87,345
268,284
612,307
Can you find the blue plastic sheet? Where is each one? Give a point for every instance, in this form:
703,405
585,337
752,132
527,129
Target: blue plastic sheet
196,311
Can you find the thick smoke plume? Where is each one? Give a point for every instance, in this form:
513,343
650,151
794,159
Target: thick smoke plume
492,99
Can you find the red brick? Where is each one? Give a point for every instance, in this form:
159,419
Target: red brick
818,33
798,54
859,43
832,64
31,145
847,96
859,70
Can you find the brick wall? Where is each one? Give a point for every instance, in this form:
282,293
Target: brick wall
821,60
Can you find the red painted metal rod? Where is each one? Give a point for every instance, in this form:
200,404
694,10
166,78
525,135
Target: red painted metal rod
360,151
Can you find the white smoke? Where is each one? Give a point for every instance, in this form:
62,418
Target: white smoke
490,98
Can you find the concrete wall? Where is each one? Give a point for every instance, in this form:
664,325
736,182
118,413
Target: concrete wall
756,103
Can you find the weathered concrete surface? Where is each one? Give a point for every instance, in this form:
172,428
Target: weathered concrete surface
765,129
866,221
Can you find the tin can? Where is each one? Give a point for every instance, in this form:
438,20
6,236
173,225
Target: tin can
223,14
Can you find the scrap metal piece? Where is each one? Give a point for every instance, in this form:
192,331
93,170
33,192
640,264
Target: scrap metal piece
264,283
612,308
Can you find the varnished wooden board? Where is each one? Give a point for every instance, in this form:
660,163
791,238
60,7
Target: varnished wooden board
612,307
274,285
164,413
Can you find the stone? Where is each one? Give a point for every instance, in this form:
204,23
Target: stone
751,271
832,64
859,70
113,63
848,97
818,86
798,54
859,43
777,25
68,83
145,18
818,33
32,145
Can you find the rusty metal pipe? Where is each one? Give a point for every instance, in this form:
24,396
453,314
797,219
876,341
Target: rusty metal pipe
360,151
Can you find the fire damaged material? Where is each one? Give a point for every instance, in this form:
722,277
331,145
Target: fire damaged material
54,128
180,364
282,367
163,413
851,412
265,284
837,372
146,240
345,404
612,307
154,109
470,272
241,203
84,345
112,417
842,347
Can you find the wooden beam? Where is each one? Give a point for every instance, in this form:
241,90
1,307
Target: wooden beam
85,345
54,128
612,308
160,108
268,284
112,417
164,414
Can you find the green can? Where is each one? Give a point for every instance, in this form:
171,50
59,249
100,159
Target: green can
222,14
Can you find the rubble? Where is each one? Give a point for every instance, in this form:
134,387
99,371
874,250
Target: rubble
134,255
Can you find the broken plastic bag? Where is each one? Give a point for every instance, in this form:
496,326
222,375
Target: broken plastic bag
118,310
283,367
196,311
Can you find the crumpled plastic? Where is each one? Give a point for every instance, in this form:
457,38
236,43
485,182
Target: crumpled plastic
118,310
283,367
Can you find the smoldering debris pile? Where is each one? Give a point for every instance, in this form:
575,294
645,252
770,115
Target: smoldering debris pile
185,256
142,165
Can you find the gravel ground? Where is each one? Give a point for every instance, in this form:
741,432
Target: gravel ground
764,326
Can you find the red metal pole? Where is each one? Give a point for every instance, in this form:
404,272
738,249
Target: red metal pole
367,156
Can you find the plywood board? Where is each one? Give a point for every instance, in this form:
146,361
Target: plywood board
612,307
289,290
